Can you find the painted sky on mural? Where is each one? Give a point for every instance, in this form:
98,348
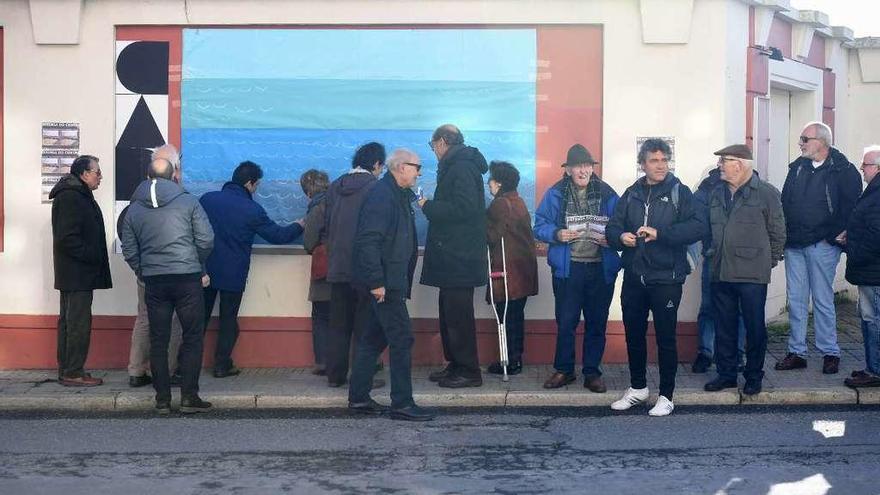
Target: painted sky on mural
295,99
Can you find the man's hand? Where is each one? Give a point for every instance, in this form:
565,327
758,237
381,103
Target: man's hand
602,241
206,280
300,221
422,201
841,239
379,294
649,233
628,239
566,235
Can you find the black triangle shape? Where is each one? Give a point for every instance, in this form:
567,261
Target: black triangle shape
132,155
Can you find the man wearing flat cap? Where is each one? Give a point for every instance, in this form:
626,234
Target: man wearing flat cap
748,239
571,220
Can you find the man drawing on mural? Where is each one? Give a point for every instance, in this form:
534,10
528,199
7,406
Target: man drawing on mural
236,218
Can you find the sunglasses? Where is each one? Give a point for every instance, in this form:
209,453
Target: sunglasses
805,139
418,166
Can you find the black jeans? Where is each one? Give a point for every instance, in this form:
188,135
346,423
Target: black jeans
74,332
729,300
227,335
349,312
164,295
458,331
320,323
662,301
388,326
514,327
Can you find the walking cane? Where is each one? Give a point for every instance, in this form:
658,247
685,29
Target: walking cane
502,333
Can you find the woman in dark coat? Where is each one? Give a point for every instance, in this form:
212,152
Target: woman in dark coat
508,219
314,184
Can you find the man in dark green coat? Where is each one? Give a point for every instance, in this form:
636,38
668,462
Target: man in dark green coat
455,252
748,239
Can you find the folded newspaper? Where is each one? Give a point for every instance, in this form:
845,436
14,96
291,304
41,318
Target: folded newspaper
591,227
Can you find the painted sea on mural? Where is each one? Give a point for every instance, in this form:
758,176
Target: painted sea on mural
299,105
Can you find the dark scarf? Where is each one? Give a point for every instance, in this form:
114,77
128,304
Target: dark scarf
571,203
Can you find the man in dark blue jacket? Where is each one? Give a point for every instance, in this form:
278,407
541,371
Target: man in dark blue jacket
236,219
584,270
385,254
653,223
819,193
862,241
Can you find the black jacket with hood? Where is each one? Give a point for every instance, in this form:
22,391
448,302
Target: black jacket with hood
455,250
342,209
79,243
668,207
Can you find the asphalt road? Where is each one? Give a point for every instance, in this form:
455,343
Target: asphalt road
740,450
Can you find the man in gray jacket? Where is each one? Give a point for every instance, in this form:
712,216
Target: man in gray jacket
166,238
748,238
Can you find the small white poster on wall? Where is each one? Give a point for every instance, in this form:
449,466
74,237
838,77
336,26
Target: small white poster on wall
60,148
670,140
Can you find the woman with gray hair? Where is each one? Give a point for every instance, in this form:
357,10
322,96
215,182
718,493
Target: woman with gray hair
314,184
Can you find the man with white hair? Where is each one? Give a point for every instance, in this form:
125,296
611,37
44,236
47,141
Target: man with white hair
385,253
139,355
862,241
818,196
748,237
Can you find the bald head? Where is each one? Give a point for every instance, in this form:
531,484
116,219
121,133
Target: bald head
161,168
449,134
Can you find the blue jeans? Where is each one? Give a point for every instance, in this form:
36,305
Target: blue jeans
706,320
584,291
809,272
869,309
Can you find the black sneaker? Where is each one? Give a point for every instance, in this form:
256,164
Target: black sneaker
139,381
752,387
701,364
231,371
438,375
369,407
719,384
458,381
411,413
192,405
163,407
514,368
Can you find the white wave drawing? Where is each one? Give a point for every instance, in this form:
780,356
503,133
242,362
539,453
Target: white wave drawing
243,110
261,89
269,109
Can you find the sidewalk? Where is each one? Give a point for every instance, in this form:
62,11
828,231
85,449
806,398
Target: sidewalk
297,388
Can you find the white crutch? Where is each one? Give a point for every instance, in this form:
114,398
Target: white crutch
502,333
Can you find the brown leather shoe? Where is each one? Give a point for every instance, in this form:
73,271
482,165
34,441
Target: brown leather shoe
595,383
830,365
559,379
791,362
80,381
862,380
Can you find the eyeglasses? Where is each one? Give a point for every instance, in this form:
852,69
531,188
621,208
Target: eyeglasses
805,139
418,166
431,144
94,171
869,165
723,159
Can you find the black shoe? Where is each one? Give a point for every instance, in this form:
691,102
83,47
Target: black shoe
701,364
514,368
370,407
411,413
438,375
719,384
752,387
163,407
231,371
458,381
192,405
176,379
139,381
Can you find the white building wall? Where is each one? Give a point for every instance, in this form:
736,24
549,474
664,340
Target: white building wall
693,91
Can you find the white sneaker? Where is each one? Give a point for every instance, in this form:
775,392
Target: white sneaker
631,397
663,407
